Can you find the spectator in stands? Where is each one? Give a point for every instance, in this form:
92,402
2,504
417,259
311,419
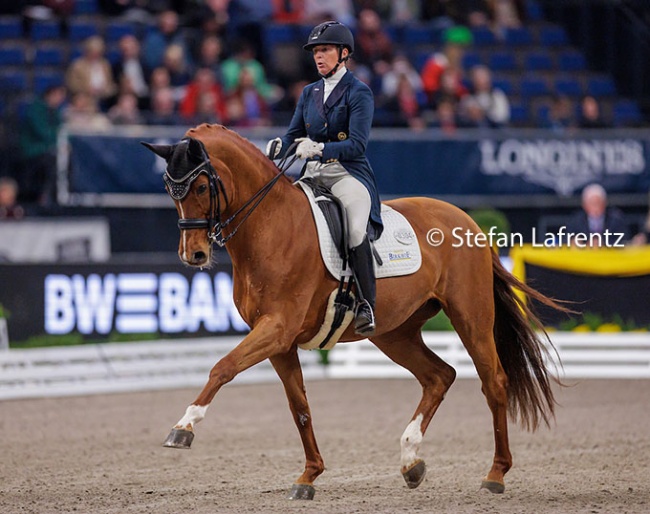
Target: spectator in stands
180,73
9,208
283,109
451,58
204,85
445,14
643,237
157,40
590,117
491,100
91,73
288,11
243,58
245,106
400,67
446,116
83,114
374,48
560,115
163,108
595,216
316,11
130,70
210,53
39,129
404,105
450,88
126,111
471,114
505,15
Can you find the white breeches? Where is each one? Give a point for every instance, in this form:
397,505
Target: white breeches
351,192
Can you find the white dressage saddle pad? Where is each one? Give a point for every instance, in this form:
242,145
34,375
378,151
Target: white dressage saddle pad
398,245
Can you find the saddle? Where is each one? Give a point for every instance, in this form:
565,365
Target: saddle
396,252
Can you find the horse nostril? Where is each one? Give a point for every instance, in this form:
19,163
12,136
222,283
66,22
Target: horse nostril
199,256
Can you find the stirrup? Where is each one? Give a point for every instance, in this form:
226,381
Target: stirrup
364,321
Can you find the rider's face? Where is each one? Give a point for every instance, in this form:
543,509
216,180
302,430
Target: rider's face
326,57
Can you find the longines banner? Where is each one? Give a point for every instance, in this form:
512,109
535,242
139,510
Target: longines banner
96,300
408,166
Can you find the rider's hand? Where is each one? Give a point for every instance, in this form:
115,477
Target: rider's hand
276,151
308,149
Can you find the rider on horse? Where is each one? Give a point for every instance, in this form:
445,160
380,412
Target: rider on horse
332,124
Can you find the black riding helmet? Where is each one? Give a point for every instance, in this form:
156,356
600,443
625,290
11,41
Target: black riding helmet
331,33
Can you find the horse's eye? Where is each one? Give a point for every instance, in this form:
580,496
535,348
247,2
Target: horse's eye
201,189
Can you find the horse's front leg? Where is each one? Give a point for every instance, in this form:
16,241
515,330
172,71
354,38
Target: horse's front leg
287,366
268,337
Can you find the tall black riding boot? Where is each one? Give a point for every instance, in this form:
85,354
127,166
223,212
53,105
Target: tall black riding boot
361,262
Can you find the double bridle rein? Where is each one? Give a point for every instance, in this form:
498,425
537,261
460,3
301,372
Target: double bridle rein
179,189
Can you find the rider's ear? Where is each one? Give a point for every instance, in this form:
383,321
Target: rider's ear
164,151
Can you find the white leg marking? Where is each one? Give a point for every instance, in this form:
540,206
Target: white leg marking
183,233
193,415
410,441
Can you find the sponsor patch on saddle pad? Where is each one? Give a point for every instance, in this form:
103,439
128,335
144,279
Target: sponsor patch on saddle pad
398,245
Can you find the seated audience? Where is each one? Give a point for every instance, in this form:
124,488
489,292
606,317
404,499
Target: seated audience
126,111
492,101
590,116
91,74
204,85
596,217
163,108
9,208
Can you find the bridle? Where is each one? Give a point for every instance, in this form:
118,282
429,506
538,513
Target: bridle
179,188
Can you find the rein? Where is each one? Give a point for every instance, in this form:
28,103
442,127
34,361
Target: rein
178,189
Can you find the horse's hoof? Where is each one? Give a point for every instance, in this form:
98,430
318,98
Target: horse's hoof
493,487
415,474
179,438
302,492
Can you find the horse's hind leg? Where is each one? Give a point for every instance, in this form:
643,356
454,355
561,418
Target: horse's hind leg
288,369
474,322
406,347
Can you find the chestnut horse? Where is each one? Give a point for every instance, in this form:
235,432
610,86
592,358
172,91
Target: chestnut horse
281,288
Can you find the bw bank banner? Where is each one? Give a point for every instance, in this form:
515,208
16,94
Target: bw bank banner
98,300
406,166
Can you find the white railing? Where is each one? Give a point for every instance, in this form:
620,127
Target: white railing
122,367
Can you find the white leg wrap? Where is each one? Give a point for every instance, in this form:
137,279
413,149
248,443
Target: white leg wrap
410,441
193,415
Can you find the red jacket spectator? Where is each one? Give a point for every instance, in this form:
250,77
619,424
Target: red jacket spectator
204,83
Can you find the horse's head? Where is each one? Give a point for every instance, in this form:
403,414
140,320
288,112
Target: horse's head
195,187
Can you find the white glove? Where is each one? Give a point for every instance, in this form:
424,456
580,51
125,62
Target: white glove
307,148
278,147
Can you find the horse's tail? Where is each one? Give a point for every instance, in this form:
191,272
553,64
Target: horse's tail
518,333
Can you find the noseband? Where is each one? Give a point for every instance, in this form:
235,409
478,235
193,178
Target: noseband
178,189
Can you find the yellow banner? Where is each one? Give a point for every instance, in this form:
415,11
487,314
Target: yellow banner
622,262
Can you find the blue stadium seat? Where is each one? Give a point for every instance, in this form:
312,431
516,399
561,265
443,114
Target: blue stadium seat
11,27
13,81
44,30
483,36
504,85
601,86
568,86
49,56
420,59
80,30
43,80
502,61
626,113
116,30
519,114
572,61
86,7
533,86
553,35
12,56
418,35
471,59
538,61
543,112
518,37
534,11
277,33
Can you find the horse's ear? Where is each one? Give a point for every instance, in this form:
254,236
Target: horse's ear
195,149
164,151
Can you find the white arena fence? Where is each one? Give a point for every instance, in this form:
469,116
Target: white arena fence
126,367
